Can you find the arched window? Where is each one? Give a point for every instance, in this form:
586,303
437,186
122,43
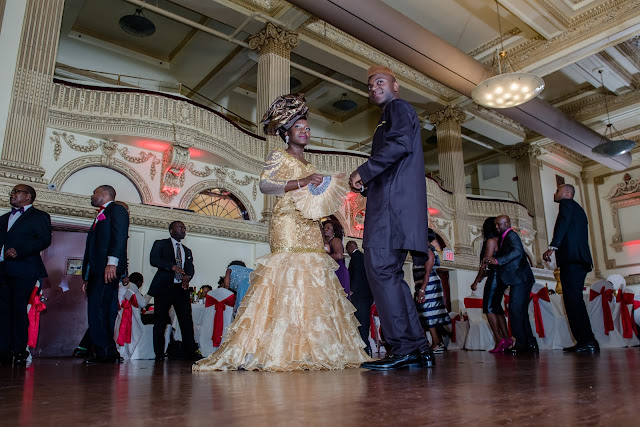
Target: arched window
219,202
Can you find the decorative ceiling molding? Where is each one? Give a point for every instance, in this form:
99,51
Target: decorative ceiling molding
495,42
349,45
593,106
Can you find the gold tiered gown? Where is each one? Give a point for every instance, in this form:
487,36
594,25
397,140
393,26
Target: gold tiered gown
295,315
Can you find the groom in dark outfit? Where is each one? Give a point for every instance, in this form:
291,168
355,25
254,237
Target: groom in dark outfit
105,261
571,244
170,287
396,222
24,233
514,271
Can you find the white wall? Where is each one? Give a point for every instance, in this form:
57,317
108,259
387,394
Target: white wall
496,187
9,45
86,180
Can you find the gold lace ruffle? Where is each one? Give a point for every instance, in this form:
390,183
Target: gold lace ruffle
295,316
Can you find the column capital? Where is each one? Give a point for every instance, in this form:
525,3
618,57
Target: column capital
449,113
524,151
274,39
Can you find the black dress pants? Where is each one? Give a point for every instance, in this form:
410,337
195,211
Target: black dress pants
572,277
363,314
102,298
519,296
178,298
14,320
398,316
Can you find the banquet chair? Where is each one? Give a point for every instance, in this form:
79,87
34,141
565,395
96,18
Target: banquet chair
128,328
375,337
218,314
636,310
600,309
623,320
459,331
479,336
542,317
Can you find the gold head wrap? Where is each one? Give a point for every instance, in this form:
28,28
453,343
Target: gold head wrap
283,113
379,69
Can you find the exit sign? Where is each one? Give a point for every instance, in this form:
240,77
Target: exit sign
448,254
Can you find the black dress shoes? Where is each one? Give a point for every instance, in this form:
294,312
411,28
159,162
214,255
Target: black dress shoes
159,358
589,347
390,362
429,358
82,353
515,351
367,350
20,359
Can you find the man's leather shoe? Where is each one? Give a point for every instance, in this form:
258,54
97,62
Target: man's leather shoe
159,359
429,358
515,351
368,351
392,362
195,356
590,347
571,349
20,359
82,353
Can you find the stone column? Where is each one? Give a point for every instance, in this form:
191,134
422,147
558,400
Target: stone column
274,46
530,193
30,95
448,130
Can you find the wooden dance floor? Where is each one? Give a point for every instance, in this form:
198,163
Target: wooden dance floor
466,388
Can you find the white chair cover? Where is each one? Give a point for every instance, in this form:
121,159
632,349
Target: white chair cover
479,336
127,293
597,313
636,312
624,301
460,332
206,331
562,336
548,330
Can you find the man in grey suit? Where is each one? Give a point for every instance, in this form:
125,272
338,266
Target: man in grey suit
393,180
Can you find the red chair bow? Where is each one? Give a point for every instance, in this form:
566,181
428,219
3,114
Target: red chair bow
126,323
375,334
543,294
607,296
628,325
455,319
34,317
473,303
218,318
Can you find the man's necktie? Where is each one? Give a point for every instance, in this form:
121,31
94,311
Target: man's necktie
15,210
178,276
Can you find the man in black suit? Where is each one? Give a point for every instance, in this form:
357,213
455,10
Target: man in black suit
361,296
571,244
24,233
170,287
105,261
514,271
396,220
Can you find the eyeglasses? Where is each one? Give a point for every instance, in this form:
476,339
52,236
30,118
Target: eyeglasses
15,190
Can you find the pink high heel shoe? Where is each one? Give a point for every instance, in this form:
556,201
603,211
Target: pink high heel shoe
501,346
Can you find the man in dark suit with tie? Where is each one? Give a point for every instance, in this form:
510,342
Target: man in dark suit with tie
170,287
105,261
514,271
361,296
571,244
396,220
24,233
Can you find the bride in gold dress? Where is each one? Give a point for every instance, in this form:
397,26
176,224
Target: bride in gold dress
295,315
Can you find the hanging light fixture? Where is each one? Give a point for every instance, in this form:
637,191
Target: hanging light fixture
507,89
608,146
137,24
345,104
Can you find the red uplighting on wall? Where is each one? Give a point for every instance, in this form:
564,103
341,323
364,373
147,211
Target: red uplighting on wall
153,145
170,190
196,153
632,243
433,211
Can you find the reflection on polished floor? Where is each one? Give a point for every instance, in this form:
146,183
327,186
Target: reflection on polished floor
472,388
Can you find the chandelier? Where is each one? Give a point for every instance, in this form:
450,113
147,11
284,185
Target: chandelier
507,89
608,146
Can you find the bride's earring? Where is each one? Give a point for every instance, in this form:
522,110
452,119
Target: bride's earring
286,139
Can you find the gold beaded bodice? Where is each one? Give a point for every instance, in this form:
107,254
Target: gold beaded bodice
289,231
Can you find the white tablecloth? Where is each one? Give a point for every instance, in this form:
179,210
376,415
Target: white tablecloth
197,314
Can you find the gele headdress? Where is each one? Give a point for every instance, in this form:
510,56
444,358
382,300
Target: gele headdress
283,113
